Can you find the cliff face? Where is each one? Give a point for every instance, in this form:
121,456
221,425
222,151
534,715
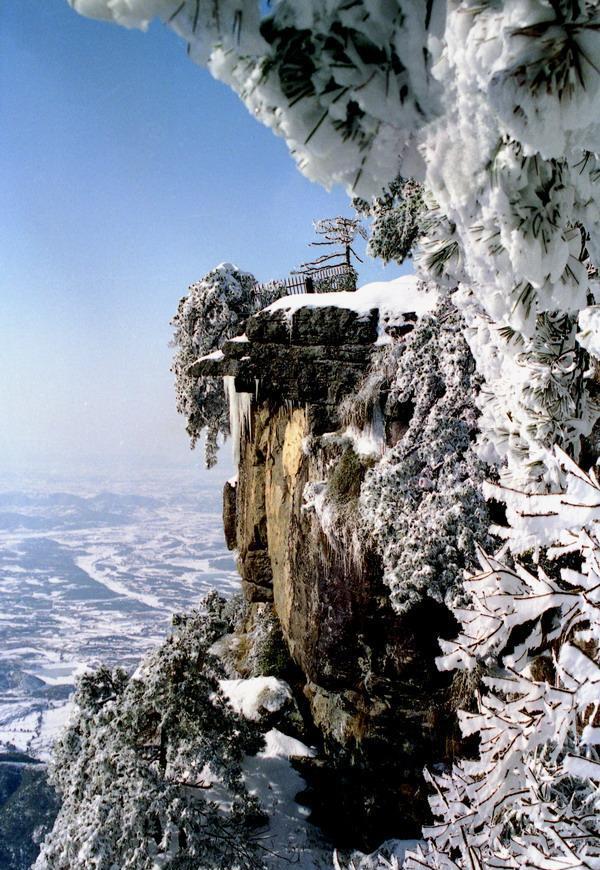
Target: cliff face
367,674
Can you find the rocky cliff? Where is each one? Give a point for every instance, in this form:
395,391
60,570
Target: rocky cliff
366,675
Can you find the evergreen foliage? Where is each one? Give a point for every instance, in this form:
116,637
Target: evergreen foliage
532,797
148,768
214,309
397,220
422,503
28,808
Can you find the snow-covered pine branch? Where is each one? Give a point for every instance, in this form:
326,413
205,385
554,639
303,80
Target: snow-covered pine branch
532,797
398,220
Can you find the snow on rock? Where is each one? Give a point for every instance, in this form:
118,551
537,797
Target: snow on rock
400,296
280,745
257,696
289,838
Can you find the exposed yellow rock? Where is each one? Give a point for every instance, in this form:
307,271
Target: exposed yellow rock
295,432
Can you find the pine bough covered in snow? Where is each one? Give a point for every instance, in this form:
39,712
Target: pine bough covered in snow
214,309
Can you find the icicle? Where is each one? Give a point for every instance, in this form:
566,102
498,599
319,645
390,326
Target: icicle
240,411
370,440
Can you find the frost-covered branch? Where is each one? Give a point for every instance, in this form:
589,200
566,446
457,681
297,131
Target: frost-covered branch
214,310
422,503
532,797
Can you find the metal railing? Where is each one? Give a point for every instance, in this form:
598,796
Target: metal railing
328,280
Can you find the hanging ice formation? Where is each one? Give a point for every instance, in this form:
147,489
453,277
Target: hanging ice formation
240,421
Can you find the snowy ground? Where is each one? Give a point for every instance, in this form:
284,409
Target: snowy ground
95,578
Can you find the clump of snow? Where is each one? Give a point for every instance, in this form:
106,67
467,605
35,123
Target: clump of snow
257,696
589,325
280,745
216,355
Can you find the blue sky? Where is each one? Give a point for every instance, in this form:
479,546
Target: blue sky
126,174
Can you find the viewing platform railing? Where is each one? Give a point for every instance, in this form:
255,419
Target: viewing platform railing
328,280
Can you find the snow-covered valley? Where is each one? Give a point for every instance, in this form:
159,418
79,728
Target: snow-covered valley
94,577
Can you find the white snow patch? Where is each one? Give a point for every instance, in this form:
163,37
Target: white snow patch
290,838
216,355
256,696
389,856
589,325
280,745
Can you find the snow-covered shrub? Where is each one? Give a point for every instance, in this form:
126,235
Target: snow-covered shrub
344,281
397,220
532,797
267,653
335,502
213,310
345,480
422,502
149,767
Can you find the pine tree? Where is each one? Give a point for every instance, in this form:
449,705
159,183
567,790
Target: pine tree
214,310
338,233
148,768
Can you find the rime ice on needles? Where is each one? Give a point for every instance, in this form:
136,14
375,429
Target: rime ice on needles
214,310
422,503
532,798
536,393
398,220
